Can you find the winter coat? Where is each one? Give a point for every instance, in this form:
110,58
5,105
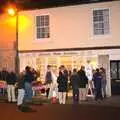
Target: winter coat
97,78
12,78
29,77
82,79
48,77
74,80
62,82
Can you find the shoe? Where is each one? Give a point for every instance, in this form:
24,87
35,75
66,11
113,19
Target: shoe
25,109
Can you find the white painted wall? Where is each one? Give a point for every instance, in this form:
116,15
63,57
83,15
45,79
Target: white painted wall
70,27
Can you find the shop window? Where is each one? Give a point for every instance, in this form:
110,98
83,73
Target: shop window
42,26
101,21
115,70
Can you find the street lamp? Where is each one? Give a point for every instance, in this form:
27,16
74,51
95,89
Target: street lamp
14,12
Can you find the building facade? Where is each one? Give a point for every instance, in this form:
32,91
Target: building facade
7,42
70,36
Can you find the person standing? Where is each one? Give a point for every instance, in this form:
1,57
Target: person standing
28,79
21,91
89,74
48,79
74,83
62,87
11,81
4,77
83,81
53,86
104,82
97,79
66,74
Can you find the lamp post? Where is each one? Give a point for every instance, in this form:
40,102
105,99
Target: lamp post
14,12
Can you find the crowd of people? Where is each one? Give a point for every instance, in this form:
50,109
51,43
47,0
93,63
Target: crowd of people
81,82
19,87
59,83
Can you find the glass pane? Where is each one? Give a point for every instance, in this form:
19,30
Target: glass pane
42,21
113,70
46,20
37,20
98,31
38,33
118,70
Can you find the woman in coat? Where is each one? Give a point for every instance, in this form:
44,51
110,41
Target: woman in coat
62,87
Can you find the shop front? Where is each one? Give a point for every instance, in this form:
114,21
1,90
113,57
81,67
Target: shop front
70,59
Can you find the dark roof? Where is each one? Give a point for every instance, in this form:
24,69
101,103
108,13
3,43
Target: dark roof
56,3
38,4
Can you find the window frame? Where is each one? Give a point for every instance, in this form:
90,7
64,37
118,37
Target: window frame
105,34
44,38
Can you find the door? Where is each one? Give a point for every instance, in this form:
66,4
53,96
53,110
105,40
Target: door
115,77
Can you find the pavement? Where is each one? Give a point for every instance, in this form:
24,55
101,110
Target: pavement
60,112
42,109
113,101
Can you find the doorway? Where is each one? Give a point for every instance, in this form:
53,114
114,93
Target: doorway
115,76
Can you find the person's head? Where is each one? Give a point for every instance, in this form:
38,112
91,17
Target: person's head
27,68
74,70
97,70
48,67
83,67
62,67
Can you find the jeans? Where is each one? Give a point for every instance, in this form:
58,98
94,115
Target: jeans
75,95
28,92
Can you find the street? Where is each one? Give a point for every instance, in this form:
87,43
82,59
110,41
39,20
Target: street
60,112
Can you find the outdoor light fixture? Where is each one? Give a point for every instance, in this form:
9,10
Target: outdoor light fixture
14,12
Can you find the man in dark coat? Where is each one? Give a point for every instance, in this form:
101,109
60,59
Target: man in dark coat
28,79
83,81
4,76
75,87
97,78
11,81
48,79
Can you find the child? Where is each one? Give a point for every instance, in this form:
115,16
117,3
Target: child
21,91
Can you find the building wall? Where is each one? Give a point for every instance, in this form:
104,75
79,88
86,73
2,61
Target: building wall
70,27
7,42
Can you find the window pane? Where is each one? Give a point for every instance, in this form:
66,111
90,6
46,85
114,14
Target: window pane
38,32
118,70
38,21
113,70
46,20
99,31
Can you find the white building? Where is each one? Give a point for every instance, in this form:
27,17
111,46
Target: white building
71,35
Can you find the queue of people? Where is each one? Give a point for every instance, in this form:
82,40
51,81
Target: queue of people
79,80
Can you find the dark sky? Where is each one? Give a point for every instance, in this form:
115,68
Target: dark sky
43,3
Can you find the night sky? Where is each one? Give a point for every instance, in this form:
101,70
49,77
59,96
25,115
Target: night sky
43,3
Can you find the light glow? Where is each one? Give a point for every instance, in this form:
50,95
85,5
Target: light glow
11,11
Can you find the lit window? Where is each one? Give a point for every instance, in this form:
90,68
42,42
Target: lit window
101,21
42,26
